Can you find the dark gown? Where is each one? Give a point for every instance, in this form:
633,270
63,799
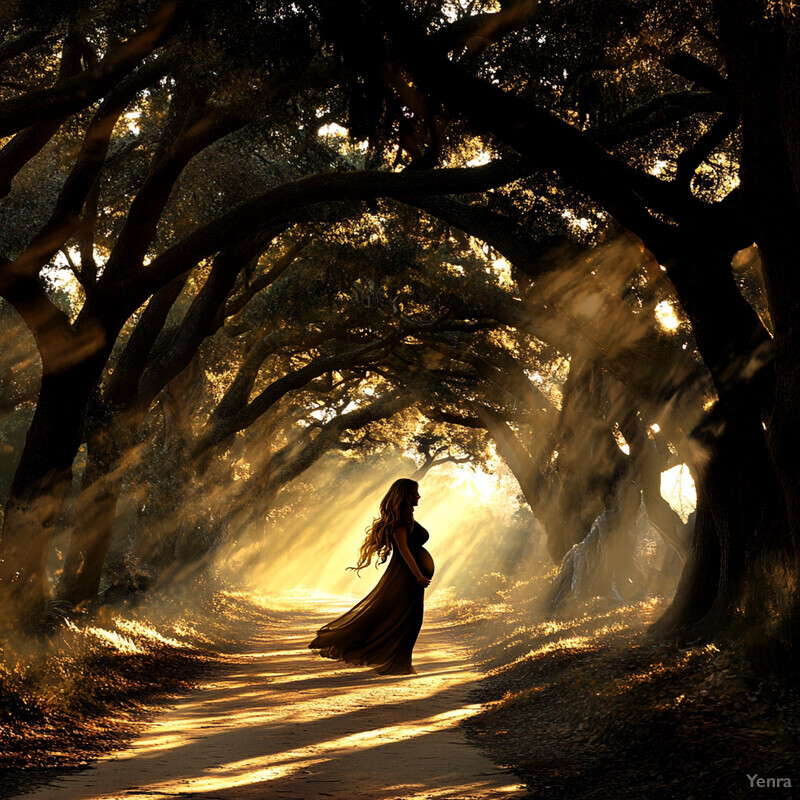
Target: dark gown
380,631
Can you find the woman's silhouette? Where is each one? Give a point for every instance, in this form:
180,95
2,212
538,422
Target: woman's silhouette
381,630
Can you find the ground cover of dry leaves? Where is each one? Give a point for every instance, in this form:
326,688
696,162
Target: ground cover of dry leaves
584,705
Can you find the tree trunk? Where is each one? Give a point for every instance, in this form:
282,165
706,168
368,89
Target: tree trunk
648,466
590,462
93,522
698,583
603,562
540,492
739,521
37,491
743,515
763,57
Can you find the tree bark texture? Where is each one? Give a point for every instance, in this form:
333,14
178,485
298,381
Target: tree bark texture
38,488
763,57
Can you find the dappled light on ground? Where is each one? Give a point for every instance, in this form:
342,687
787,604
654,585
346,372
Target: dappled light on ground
283,722
586,706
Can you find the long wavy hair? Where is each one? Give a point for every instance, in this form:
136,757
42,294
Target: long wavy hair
396,512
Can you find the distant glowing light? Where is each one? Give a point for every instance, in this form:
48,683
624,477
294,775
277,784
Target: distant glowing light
131,119
583,224
332,129
482,158
535,377
621,443
678,489
666,316
659,167
502,269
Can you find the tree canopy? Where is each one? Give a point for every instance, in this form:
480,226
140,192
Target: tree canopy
244,239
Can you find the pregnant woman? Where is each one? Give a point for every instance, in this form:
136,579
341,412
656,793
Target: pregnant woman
381,630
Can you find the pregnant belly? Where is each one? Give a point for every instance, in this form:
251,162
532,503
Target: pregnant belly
425,562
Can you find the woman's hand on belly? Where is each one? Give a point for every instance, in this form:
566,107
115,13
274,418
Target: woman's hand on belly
404,551
425,563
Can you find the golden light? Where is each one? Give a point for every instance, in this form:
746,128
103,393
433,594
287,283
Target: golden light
462,508
479,160
132,121
120,643
141,630
659,167
582,224
666,316
332,129
621,442
678,489
287,721
502,269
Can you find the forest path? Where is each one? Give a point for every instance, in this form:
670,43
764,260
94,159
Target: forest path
282,722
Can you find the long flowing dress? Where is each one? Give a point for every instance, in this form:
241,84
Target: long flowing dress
380,631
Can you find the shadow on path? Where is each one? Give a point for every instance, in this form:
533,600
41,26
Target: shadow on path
284,723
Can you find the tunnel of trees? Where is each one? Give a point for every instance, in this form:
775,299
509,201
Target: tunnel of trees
237,240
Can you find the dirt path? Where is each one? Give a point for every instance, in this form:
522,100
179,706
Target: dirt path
284,723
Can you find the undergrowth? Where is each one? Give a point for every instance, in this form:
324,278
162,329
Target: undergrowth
583,705
79,691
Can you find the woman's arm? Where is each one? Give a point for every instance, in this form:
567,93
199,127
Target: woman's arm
402,545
